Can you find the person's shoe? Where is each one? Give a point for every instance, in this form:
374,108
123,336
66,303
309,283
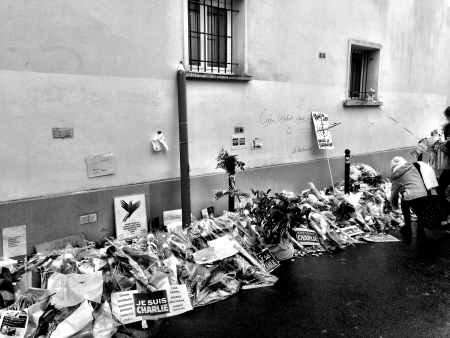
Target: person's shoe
406,231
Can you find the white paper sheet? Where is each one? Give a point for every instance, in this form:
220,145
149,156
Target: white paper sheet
73,288
75,322
15,241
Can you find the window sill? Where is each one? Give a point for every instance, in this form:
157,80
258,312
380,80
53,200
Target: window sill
358,103
217,76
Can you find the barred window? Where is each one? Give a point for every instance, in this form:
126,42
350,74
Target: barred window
210,37
358,75
364,65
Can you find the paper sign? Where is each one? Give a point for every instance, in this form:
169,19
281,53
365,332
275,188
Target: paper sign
100,165
13,324
323,135
15,241
73,288
173,218
238,141
131,216
76,241
162,303
267,260
352,230
122,307
307,237
380,238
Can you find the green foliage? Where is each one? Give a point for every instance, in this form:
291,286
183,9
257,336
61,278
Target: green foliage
233,193
228,162
276,215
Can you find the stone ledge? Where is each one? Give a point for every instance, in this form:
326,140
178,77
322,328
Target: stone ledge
217,76
359,103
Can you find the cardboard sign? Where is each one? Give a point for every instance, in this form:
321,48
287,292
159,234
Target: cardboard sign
307,237
122,307
131,216
323,134
76,241
162,303
15,241
267,260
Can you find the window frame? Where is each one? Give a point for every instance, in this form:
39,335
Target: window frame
205,30
239,46
373,51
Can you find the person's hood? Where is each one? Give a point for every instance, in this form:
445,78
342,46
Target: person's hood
401,170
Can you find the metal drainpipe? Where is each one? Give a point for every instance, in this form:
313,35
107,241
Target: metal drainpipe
184,148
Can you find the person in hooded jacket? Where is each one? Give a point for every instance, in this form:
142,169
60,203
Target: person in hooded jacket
444,178
408,183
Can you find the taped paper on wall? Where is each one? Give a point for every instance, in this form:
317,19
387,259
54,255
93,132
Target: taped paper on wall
15,241
101,165
159,142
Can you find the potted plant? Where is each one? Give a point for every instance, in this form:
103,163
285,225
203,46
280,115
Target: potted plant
275,216
230,164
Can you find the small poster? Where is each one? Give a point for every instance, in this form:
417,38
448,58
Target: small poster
100,165
307,237
13,324
256,143
208,213
122,306
267,260
321,125
131,216
238,141
162,303
15,241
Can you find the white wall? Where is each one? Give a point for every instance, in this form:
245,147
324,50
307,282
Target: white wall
65,64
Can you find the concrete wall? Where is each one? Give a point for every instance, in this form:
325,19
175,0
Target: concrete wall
108,70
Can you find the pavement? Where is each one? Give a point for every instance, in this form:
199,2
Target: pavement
380,290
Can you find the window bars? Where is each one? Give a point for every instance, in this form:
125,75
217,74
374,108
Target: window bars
210,35
358,77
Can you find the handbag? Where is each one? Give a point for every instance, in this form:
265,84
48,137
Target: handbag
432,210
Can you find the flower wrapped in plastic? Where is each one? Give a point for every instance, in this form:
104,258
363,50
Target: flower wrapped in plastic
363,173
